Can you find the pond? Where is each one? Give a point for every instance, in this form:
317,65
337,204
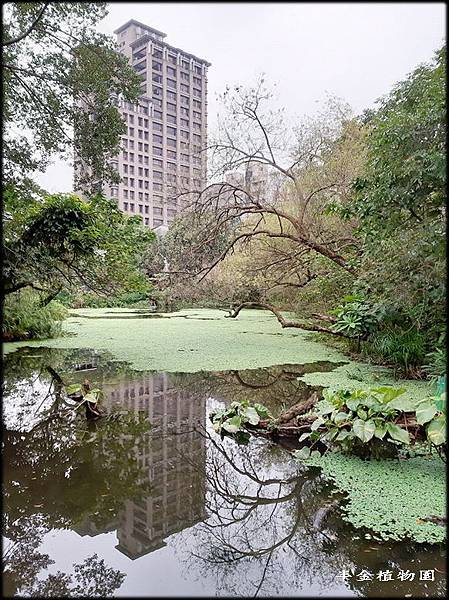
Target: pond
149,501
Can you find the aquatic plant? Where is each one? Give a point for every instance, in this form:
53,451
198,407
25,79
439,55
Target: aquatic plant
392,498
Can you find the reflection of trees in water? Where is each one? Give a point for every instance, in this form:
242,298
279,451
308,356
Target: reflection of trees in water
260,535
22,562
280,532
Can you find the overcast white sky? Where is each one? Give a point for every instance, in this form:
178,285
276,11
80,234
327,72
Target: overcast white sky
356,51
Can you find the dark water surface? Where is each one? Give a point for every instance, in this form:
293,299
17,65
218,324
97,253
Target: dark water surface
148,501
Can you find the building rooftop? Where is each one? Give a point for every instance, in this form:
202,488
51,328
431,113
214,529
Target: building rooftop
139,24
145,38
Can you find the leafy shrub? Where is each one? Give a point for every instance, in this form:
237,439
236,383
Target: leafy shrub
404,350
347,416
356,317
24,318
232,420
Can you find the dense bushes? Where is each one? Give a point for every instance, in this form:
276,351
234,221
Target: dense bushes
25,318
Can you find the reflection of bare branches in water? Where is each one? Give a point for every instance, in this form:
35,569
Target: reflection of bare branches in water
253,521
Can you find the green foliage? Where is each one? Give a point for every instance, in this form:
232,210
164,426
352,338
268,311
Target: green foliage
345,416
436,363
399,203
62,242
356,317
60,67
234,419
25,318
389,497
405,350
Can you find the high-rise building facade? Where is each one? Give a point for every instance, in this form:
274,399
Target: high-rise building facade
162,155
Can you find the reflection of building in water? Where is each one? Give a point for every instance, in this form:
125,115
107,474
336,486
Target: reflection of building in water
177,487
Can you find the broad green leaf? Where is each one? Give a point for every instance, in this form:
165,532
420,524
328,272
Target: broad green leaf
251,415
380,431
342,435
340,417
362,414
441,402
353,404
404,404
425,412
73,389
91,397
436,430
388,393
324,407
262,411
397,433
364,430
233,424
317,423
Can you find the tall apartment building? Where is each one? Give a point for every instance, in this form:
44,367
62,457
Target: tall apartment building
163,154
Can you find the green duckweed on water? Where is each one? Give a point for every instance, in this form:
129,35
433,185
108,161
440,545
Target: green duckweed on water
204,340
390,497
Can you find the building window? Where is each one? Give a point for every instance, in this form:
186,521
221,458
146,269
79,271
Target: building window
146,207
184,111
131,169
184,88
185,64
125,180
157,53
157,210
131,194
197,92
171,131
125,193
140,134
197,115
131,144
197,69
157,138
157,126
171,83
141,208
185,76
130,130
157,163
171,106
131,206
171,58
146,173
125,143
131,181
157,175
140,146
140,171
171,143
125,155
156,78
157,91
146,196
185,101
157,66
145,160
185,134
197,81
131,156
184,122
140,158
171,119
157,187
147,221
125,168
197,126
125,205
157,102
171,166
185,158
157,151
171,95
197,104
157,222
171,154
